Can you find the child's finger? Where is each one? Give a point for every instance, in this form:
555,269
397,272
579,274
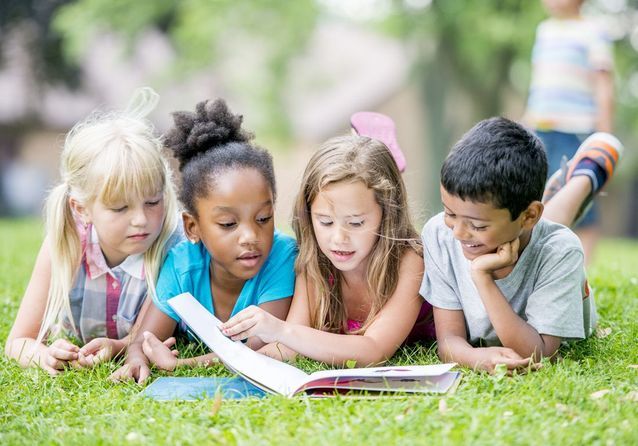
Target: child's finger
102,355
50,370
239,327
170,342
244,314
62,353
121,374
175,353
517,363
84,361
143,373
241,336
91,347
146,348
54,363
63,344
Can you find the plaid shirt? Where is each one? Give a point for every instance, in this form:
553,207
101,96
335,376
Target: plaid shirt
106,301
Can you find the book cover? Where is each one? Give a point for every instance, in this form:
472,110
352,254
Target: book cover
189,388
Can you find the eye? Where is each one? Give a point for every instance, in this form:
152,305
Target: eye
356,224
227,225
264,220
153,203
119,209
449,214
477,228
325,222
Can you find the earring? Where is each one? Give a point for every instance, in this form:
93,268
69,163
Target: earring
194,241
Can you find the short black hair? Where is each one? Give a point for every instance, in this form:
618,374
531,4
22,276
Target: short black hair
497,161
209,142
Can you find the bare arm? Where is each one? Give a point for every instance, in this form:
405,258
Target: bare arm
377,344
158,351
511,329
604,96
453,346
136,365
21,343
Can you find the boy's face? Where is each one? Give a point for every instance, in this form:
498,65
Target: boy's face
480,227
562,8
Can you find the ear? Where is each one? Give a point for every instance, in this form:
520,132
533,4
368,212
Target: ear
532,214
81,210
191,227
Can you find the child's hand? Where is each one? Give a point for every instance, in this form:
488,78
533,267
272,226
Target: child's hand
253,321
160,353
98,350
491,357
58,355
505,255
135,368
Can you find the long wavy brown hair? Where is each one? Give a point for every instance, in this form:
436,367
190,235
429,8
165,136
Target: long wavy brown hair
353,158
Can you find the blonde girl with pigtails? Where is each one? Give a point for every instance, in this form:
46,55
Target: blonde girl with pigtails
109,223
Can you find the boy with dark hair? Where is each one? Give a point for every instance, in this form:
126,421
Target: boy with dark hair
507,285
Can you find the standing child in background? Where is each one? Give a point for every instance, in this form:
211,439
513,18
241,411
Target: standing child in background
507,285
359,266
109,224
572,91
234,257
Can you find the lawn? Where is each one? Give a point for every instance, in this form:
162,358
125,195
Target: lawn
590,397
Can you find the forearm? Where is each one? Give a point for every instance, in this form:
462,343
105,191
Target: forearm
454,348
203,360
135,352
278,351
120,346
511,329
331,348
25,350
604,102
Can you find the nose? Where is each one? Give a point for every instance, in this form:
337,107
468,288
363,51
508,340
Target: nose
248,234
139,217
341,234
459,231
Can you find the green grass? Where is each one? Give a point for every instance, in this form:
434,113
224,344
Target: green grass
553,405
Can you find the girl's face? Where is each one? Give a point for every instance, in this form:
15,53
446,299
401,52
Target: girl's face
346,219
235,223
125,229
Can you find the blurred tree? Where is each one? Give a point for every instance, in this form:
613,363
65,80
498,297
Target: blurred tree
34,19
467,50
198,30
483,50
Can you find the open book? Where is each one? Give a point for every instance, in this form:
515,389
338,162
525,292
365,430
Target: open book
280,378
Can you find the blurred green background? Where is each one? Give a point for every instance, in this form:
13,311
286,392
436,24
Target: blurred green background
297,70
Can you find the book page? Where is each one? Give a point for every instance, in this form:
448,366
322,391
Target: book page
384,372
268,373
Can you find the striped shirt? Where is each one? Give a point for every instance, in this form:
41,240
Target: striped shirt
566,56
106,301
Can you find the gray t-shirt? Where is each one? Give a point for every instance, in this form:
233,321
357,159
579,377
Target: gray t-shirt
547,287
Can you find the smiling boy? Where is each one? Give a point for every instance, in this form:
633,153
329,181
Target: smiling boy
508,286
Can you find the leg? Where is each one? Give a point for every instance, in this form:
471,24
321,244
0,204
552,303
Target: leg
564,206
570,191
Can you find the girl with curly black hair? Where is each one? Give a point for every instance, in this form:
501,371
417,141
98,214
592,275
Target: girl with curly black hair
234,257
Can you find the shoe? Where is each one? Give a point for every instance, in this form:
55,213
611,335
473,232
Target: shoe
602,148
382,128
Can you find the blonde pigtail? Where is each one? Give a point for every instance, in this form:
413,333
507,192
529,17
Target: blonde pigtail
65,253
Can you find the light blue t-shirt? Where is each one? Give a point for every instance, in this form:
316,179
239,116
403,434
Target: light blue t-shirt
186,269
